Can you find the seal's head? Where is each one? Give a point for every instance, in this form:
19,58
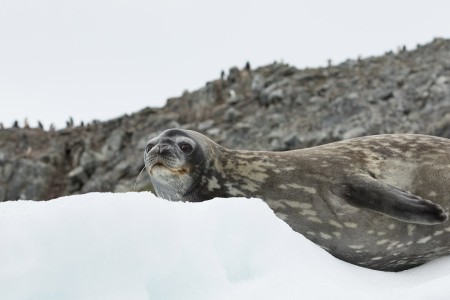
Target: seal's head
175,161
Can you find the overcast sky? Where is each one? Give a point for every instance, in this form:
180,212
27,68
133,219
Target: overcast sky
99,59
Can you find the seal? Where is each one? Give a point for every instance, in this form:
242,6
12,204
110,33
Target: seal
379,202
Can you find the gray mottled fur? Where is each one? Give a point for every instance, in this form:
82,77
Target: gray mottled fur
380,202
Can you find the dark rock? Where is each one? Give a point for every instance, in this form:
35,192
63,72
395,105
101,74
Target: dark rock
234,75
203,126
292,141
274,107
29,180
232,98
77,178
231,115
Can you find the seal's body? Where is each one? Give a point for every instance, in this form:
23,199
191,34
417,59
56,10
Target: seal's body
379,201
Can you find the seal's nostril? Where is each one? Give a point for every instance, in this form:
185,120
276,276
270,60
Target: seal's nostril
164,148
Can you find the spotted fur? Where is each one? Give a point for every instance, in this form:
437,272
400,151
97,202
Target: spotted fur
380,202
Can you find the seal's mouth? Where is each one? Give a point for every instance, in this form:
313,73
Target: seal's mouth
160,165
157,165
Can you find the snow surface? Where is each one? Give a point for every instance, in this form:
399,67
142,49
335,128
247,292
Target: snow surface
137,246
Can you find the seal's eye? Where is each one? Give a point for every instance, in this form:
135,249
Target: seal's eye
149,147
186,148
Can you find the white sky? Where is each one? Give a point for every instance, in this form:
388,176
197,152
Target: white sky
98,59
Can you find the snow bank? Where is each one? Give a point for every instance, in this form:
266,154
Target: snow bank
136,246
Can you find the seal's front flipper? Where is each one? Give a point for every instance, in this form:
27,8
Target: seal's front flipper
369,193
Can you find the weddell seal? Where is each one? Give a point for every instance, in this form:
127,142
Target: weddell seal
379,202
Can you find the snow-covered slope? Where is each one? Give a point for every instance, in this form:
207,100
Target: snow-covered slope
136,246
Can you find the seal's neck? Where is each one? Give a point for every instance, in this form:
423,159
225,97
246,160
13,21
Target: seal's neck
235,174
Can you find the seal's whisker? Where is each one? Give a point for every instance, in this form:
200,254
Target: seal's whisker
130,167
134,163
156,132
137,179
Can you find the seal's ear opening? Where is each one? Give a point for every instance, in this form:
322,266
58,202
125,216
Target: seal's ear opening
366,192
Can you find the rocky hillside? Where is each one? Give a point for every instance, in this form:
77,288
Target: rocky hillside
275,107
